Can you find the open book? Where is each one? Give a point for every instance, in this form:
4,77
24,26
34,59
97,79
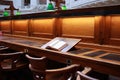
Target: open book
57,45
61,44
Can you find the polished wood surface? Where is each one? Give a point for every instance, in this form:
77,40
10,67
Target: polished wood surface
43,27
6,26
85,56
112,29
81,27
96,29
83,74
20,27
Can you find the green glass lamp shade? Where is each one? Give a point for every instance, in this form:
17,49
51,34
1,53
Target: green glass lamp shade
18,13
50,6
64,7
5,13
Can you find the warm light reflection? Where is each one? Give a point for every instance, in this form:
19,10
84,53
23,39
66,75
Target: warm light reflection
78,26
20,25
5,25
43,25
5,13
64,7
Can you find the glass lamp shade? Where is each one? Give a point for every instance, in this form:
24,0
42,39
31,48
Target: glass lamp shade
50,6
64,7
18,13
5,13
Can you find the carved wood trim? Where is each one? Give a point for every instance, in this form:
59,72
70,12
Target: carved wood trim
108,35
16,32
20,33
107,29
8,31
36,33
78,36
48,34
89,39
58,26
102,30
99,29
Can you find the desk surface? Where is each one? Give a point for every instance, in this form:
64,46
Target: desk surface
105,61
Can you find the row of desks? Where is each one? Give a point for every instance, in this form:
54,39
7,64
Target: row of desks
104,61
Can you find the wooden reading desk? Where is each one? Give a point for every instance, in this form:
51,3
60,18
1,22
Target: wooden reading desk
99,59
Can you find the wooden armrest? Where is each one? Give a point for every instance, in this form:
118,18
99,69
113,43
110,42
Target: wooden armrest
35,58
10,54
86,70
73,68
3,48
83,74
86,76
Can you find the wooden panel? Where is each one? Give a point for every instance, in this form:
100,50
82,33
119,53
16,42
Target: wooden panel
43,27
6,26
99,29
20,27
113,30
82,27
115,26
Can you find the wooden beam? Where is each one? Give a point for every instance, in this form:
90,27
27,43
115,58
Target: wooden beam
5,2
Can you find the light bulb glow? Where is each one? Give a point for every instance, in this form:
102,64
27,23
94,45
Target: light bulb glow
5,13
64,7
18,13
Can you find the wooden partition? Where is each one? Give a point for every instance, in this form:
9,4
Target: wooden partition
43,27
97,29
80,27
20,27
6,26
113,30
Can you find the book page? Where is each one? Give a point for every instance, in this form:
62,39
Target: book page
57,45
53,43
61,44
